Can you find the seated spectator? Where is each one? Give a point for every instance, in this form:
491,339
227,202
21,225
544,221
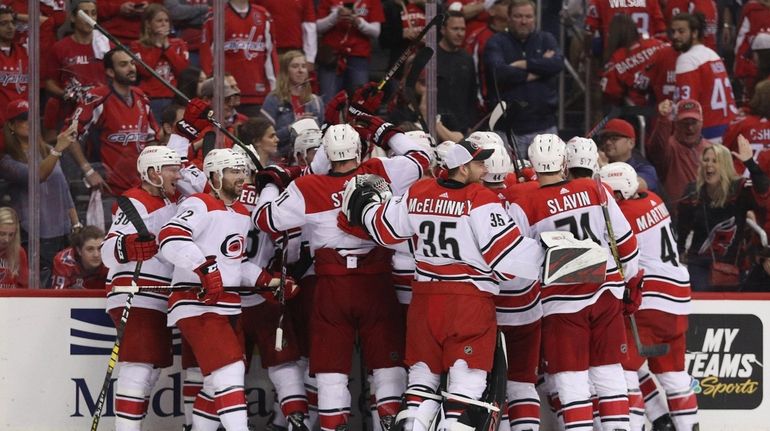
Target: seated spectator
714,211
168,56
259,132
616,142
14,272
80,265
57,210
168,119
675,147
754,126
292,99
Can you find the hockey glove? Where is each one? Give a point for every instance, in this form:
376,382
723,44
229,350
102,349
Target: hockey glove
361,192
278,175
132,248
195,119
334,108
632,296
272,280
374,129
366,99
211,281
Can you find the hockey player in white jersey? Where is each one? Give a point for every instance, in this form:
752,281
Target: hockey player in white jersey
464,243
354,291
665,305
146,344
583,322
205,242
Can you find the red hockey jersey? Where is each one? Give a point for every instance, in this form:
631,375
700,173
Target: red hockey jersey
626,77
645,13
14,76
167,62
707,7
754,19
68,273
754,128
662,73
345,38
289,17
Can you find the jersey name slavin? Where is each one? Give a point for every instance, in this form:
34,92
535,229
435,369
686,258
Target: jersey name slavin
568,202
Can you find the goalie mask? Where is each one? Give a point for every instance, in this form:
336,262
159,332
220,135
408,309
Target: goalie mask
156,156
499,163
342,142
621,177
582,153
361,192
547,152
219,159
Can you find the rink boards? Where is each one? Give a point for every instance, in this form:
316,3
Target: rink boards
54,348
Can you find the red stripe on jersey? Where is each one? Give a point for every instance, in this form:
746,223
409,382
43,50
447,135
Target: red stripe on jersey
521,298
627,247
452,270
383,233
501,245
172,231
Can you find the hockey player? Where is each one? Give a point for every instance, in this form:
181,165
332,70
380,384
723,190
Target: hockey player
205,243
307,138
146,344
582,157
662,316
518,304
583,321
450,280
344,263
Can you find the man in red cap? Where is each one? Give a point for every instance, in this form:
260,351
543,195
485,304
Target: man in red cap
616,142
676,145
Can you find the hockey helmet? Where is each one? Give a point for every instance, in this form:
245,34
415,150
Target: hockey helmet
441,151
342,142
306,135
547,152
425,141
219,159
582,153
248,151
156,156
621,177
499,164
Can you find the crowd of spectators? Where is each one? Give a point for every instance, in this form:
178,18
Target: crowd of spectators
695,72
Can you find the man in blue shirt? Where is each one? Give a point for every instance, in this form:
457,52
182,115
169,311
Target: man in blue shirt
616,142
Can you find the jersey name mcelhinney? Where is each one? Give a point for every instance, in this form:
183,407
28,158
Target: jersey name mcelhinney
439,207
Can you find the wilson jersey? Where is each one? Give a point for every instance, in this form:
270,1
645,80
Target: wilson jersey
155,211
315,200
625,78
68,273
706,7
666,281
574,206
462,234
645,13
204,226
701,75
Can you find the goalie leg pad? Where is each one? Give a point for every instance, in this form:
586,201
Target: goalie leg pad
420,403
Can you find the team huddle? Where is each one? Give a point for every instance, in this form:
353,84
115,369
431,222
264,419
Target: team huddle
515,281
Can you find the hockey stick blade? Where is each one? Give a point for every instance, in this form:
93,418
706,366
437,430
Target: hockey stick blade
436,21
419,62
646,350
497,114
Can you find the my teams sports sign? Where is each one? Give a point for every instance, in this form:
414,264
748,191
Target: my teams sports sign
725,358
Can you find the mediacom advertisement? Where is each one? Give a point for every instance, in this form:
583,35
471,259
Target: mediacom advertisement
54,352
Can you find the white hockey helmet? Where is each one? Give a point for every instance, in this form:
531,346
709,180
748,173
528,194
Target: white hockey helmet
342,142
547,152
218,159
425,141
485,139
156,156
306,135
582,153
441,151
499,164
244,151
621,177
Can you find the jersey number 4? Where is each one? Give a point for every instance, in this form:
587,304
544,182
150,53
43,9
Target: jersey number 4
667,251
447,246
571,224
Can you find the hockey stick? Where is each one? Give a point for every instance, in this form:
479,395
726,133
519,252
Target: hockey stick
508,133
168,289
84,16
413,47
645,350
133,216
280,293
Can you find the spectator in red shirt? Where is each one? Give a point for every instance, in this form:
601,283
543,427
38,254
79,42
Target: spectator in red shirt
168,56
80,265
14,77
13,259
122,19
296,21
345,48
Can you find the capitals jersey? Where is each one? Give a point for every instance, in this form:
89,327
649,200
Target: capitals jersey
68,273
754,19
625,76
204,226
70,60
754,128
345,38
167,62
574,206
706,7
666,281
645,13
461,234
250,54
701,75
662,73
315,201
519,300
123,130
14,77
155,211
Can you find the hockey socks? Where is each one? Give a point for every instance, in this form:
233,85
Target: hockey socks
288,381
229,395
333,400
192,384
610,384
389,384
635,401
682,404
132,391
655,404
575,398
523,406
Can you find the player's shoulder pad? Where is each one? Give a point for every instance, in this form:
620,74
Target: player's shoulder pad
149,202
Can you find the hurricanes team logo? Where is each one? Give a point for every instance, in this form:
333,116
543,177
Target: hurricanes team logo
233,246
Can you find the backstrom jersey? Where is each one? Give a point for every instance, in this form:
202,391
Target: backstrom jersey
124,130
574,206
204,226
625,78
666,281
462,234
701,75
155,212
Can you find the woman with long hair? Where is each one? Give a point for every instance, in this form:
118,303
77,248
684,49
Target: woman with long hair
168,56
292,99
190,82
57,210
714,210
13,258
260,133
